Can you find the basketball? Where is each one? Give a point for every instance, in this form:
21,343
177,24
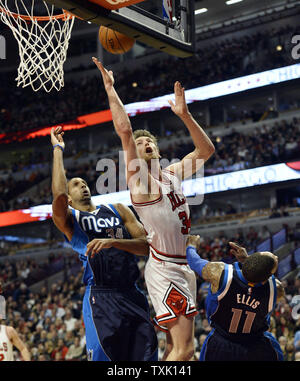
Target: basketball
115,42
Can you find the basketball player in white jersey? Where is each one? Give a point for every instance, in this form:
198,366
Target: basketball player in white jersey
9,338
158,199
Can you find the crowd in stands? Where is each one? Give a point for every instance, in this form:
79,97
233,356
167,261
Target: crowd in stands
217,248
239,150
207,213
28,271
22,109
49,319
234,151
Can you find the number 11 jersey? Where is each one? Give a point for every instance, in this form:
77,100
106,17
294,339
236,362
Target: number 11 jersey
240,310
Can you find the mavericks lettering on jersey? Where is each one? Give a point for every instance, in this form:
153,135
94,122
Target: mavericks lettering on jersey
93,223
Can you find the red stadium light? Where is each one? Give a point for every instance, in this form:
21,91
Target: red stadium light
78,123
115,4
16,217
294,165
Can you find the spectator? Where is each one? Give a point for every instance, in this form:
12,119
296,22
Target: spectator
206,328
82,337
75,350
42,357
60,349
275,213
21,291
69,338
161,348
43,337
290,351
49,348
58,356
282,342
69,320
265,233
62,331
34,354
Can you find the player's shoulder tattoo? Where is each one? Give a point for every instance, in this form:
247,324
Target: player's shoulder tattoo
212,271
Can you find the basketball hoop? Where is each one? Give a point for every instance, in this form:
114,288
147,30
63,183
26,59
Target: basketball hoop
42,40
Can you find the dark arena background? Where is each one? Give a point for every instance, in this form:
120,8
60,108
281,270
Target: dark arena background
239,62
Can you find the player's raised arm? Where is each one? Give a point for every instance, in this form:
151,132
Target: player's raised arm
18,343
121,122
238,251
61,214
137,245
209,271
204,147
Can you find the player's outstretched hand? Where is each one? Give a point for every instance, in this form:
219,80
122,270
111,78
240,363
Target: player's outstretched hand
96,245
107,76
57,136
238,251
193,240
180,107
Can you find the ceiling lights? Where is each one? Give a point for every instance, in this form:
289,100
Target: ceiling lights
229,2
201,10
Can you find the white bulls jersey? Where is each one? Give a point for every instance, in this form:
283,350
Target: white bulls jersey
170,281
166,220
6,347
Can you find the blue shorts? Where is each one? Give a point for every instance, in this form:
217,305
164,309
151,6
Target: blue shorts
118,326
219,348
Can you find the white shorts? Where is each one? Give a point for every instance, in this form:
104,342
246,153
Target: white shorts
172,289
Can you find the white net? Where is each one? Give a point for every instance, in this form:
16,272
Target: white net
42,40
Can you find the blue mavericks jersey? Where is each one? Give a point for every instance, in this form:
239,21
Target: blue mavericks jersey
109,268
237,310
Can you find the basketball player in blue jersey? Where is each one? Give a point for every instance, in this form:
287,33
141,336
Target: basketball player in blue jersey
115,312
240,301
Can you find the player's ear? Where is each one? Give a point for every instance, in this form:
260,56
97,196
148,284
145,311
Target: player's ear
69,200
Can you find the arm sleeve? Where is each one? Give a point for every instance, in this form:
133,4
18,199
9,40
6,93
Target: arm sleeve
194,260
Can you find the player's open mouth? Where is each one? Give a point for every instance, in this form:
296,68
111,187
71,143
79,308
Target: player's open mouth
86,193
149,150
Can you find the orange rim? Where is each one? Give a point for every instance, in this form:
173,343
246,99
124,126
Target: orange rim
63,16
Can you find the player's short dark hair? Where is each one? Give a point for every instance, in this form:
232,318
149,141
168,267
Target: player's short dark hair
139,133
258,268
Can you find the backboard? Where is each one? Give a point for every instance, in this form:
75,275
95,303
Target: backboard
143,21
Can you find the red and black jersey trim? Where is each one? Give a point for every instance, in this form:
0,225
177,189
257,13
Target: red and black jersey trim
147,203
161,256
